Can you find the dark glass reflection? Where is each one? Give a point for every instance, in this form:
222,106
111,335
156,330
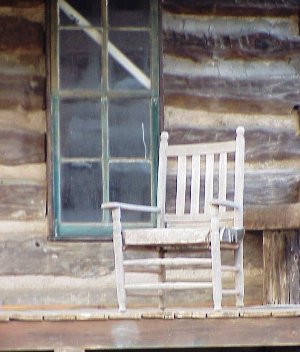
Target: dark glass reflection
128,12
79,62
129,127
81,192
131,183
89,9
136,46
80,128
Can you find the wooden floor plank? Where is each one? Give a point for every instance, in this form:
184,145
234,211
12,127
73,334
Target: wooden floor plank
146,333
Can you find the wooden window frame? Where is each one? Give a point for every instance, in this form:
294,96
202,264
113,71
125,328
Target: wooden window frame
82,232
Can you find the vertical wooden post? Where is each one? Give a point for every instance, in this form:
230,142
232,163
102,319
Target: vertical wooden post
216,259
281,267
120,275
162,177
238,213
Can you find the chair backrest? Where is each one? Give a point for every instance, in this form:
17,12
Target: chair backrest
191,175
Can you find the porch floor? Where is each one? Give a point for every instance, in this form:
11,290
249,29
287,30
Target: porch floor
61,328
71,313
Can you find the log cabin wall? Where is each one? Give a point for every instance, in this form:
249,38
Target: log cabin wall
230,63
224,64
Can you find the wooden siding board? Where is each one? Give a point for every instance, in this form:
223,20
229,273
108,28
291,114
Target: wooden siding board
152,333
262,188
26,91
31,40
253,46
274,8
262,144
270,95
21,3
21,147
22,201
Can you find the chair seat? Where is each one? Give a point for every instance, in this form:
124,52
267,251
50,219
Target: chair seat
165,236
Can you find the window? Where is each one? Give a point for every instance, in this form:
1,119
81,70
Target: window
104,107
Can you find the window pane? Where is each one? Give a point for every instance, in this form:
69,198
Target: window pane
80,128
129,127
136,47
131,183
80,60
81,192
89,9
129,12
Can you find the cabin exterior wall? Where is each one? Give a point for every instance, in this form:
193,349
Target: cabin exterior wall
222,67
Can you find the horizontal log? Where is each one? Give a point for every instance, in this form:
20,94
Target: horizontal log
34,255
260,46
262,188
11,228
278,217
271,8
276,96
22,90
228,25
20,3
15,63
32,11
262,144
31,40
32,172
22,200
21,147
177,118
19,119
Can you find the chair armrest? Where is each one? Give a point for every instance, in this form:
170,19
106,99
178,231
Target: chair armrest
133,207
225,203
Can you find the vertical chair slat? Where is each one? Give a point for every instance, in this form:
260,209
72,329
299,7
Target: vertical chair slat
181,185
209,182
195,184
222,178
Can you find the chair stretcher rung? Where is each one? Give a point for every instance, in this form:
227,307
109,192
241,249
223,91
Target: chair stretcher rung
203,262
230,268
228,292
169,286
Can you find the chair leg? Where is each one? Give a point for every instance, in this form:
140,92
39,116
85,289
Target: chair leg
119,268
239,276
216,264
162,277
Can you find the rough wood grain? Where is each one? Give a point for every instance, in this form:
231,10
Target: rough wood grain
22,63
32,254
22,200
262,144
31,40
270,8
19,119
152,333
262,188
21,147
281,270
277,96
22,90
276,217
262,46
20,3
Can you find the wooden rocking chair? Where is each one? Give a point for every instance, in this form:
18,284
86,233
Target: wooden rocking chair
196,219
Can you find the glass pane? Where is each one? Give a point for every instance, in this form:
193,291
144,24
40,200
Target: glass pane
129,127
80,60
89,9
131,183
80,128
81,192
136,47
129,12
